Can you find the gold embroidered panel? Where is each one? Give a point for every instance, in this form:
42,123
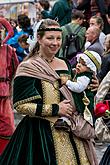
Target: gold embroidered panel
64,150
82,154
51,95
65,154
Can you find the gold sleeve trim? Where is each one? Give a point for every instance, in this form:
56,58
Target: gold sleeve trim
27,109
27,100
47,110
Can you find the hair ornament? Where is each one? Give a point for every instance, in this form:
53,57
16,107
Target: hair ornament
50,29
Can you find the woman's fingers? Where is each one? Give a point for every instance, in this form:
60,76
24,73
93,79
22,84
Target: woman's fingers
65,108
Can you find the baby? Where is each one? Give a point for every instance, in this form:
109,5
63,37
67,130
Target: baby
88,64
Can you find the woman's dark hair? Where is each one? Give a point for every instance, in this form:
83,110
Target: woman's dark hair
45,23
23,38
25,23
45,4
77,14
13,20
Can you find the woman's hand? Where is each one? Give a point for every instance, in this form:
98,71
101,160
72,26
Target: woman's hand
95,84
65,108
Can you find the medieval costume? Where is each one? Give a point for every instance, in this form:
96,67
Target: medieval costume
9,28
8,65
37,93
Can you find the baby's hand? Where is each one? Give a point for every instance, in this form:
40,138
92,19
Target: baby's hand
64,80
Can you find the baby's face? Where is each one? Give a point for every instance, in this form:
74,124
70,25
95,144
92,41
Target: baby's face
81,66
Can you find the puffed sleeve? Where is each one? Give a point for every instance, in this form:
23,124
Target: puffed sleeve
28,99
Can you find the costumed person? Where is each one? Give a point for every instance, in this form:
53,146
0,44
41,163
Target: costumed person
7,25
8,65
103,121
39,95
89,62
61,11
22,40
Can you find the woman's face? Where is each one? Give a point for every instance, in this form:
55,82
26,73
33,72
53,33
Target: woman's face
50,43
93,22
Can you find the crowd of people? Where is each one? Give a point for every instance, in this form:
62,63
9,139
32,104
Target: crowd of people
57,95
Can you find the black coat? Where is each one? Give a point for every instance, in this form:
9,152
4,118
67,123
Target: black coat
105,67
106,157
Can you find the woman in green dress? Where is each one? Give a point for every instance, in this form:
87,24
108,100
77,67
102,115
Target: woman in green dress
40,95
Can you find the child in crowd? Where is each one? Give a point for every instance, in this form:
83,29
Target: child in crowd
88,64
22,40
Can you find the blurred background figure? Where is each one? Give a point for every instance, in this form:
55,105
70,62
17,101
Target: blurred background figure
45,4
92,35
14,24
25,28
61,11
84,5
102,125
22,40
7,25
97,21
8,66
75,26
102,8
105,67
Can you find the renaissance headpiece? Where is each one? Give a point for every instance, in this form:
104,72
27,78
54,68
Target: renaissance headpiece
92,60
50,29
9,28
37,29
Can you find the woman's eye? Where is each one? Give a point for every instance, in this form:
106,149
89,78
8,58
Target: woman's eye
50,38
59,39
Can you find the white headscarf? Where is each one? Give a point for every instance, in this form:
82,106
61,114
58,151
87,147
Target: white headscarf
92,60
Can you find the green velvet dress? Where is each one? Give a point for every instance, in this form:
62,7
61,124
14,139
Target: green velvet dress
35,140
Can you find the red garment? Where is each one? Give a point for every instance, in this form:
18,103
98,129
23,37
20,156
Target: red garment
9,28
3,144
8,66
